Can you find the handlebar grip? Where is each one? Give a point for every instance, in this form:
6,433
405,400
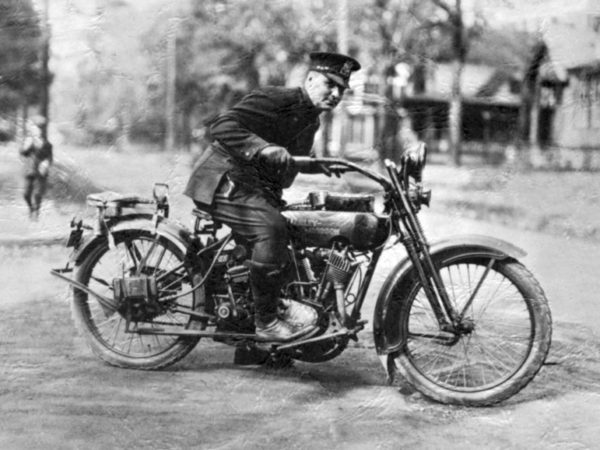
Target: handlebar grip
306,164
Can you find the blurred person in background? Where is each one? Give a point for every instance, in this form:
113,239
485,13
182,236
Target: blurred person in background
37,154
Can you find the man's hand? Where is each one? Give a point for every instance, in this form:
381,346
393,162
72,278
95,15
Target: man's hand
332,170
275,157
415,154
413,160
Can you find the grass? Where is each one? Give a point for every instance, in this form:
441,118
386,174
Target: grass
561,203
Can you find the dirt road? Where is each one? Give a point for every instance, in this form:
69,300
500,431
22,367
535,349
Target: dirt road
55,394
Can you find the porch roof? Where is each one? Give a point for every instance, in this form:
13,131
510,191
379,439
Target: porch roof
470,100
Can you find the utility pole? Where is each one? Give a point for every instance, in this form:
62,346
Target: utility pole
459,45
171,80
45,71
342,26
342,47
459,39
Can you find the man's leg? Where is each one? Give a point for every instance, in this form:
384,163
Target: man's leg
252,217
27,194
38,193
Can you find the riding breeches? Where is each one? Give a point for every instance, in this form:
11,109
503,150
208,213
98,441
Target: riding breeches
260,225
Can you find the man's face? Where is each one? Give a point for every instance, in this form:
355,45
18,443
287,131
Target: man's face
323,92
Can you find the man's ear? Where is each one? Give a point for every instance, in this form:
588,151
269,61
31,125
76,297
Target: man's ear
310,78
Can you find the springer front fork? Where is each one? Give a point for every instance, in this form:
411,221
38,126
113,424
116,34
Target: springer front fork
415,242
433,285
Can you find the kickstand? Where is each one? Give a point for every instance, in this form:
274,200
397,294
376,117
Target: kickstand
389,365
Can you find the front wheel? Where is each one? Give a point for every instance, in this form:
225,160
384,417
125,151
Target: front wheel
500,344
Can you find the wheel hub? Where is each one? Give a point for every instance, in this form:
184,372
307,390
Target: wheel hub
466,326
137,297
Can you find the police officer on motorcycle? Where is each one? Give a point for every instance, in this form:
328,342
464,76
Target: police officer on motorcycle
240,177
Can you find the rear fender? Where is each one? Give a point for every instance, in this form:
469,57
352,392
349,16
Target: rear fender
166,228
385,319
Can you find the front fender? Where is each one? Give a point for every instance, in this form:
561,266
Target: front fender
169,229
385,324
487,245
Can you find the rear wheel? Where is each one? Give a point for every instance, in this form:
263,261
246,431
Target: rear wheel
501,342
135,251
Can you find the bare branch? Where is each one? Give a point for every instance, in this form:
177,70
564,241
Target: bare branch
430,24
442,4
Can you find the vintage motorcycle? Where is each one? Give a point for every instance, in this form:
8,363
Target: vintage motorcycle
462,320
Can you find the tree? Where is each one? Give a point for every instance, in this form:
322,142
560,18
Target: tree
20,46
452,24
108,101
226,48
392,33
415,32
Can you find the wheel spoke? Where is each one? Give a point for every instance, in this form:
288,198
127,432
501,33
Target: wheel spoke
116,330
173,270
490,299
476,290
102,282
112,318
133,253
163,250
177,280
146,257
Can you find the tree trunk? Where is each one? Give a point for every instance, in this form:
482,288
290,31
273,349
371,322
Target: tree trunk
170,104
186,129
459,44
455,115
45,72
388,122
22,130
535,115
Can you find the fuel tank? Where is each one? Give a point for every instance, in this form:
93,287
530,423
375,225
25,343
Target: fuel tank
362,230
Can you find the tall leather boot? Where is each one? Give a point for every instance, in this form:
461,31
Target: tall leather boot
266,281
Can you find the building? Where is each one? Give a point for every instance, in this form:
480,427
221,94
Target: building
562,93
491,105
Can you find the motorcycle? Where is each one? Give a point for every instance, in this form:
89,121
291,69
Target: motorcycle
462,320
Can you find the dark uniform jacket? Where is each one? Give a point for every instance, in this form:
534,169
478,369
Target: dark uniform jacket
270,116
38,154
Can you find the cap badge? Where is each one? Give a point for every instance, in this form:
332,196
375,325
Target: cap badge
346,69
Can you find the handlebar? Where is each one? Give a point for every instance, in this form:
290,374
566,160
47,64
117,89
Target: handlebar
306,164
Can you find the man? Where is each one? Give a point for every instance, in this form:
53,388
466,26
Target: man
240,177
38,153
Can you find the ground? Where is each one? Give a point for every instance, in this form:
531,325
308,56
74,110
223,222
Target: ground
55,394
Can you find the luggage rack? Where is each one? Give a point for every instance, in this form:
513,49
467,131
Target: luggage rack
114,204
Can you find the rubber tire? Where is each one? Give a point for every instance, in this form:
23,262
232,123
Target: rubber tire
181,347
533,294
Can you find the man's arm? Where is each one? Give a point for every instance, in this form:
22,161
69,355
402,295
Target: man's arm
238,129
27,147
